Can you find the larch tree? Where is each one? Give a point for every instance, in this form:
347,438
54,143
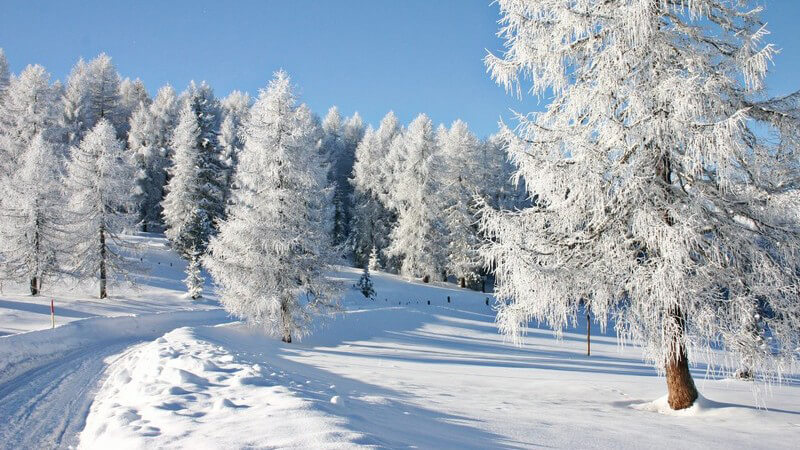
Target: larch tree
417,238
132,94
32,225
372,221
149,141
273,250
460,183
5,74
235,109
30,107
187,205
93,93
657,203
100,179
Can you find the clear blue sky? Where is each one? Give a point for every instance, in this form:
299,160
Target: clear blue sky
411,56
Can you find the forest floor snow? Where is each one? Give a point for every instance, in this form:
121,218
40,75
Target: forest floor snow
396,372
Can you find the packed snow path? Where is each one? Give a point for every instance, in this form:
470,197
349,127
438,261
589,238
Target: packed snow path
48,378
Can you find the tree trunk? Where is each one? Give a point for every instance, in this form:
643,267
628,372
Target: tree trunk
103,293
34,286
287,330
680,386
588,332
426,279
462,282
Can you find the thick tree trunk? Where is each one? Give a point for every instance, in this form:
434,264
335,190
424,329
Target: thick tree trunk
34,286
287,330
462,282
680,386
103,293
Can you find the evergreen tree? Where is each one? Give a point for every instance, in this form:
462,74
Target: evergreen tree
92,93
365,285
31,229
658,203
374,262
132,95
418,236
271,254
99,181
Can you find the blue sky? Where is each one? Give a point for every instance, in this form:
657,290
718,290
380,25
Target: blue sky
410,56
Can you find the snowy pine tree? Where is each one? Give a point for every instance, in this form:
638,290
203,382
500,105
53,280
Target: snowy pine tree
417,238
365,284
271,254
132,94
374,262
236,108
31,225
657,202
92,93
100,179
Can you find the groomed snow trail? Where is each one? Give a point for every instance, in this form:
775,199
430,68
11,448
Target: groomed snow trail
45,396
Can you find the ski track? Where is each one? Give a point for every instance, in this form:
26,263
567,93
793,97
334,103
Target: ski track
46,407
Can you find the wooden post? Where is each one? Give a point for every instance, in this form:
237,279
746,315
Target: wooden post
52,314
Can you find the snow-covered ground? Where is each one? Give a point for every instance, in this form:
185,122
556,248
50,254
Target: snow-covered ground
391,373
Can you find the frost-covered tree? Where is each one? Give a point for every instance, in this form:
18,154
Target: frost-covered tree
211,174
188,204
132,94
31,222
372,221
460,183
236,108
100,179
417,237
271,254
5,74
30,107
92,93
365,284
374,262
657,203
149,142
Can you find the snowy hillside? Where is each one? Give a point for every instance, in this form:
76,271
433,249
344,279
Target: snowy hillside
393,372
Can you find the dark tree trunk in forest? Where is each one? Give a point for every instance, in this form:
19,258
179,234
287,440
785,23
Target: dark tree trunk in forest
588,332
34,286
426,278
680,385
287,331
462,282
103,293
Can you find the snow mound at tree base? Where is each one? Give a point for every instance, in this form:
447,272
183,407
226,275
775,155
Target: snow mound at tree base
661,406
181,391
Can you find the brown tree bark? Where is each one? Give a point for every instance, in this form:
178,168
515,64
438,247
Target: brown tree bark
103,293
680,386
287,331
34,286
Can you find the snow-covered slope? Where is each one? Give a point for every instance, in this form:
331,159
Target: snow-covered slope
159,288
397,373
394,372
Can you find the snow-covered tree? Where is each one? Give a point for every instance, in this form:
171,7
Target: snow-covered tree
188,203
92,93
657,203
100,179
417,237
211,173
374,262
31,222
271,254
460,183
5,74
365,284
132,94
236,108
149,142
30,107
372,221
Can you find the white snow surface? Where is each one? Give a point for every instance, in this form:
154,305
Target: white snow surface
393,372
